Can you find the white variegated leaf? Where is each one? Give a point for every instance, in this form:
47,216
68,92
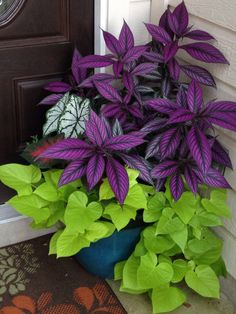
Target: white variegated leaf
72,123
54,115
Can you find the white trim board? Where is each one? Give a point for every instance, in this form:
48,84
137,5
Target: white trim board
15,228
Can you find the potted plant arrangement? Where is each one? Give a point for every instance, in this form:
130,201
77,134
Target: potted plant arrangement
130,168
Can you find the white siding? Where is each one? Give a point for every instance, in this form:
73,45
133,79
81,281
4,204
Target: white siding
219,18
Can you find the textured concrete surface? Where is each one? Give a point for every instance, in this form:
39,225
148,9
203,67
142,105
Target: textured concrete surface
140,304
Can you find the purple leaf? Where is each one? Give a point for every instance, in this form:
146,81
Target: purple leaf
164,169
198,74
224,121
51,99
95,169
153,147
213,178
107,126
112,43
159,184
128,81
96,129
227,107
98,77
194,97
162,105
111,110
199,148
126,38
58,87
135,110
205,52
179,116
75,170
176,186
153,56
68,149
170,51
117,68
166,86
78,73
173,22
117,129
108,91
158,33
181,98
123,142
191,179
118,179
220,155
144,68
169,142
95,61
181,14
134,53
138,163
165,24
199,35
174,69
154,125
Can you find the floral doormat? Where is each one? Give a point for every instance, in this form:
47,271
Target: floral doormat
31,282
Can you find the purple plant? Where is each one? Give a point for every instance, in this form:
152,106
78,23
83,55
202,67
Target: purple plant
96,155
173,28
143,99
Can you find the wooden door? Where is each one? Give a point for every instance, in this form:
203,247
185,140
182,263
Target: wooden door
36,44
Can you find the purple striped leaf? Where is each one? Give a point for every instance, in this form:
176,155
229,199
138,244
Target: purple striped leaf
194,97
126,38
191,179
108,92
220,155
96,129
198,74
221,107
176,186
166,85
112,43
58,87
182,16
98,77
134,53
68,149
111,110
154,125
162,105
169,142
116,128
158,33
199,35
213,178
75,170
78,73
181,98
128,81
170,51
164,169
95,169
117,68
95,61
123,142
136,162
174,69
144,68
107,126
199,148
135,110
163,22
223,120
180,116
173,22
153,56
153,147
159,184
205,52
51,99
118,179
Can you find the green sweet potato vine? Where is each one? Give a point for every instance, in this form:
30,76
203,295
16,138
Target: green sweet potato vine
179,246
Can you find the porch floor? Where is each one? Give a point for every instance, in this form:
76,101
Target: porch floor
140,304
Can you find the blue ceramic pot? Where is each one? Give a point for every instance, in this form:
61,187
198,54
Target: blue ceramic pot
101,257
